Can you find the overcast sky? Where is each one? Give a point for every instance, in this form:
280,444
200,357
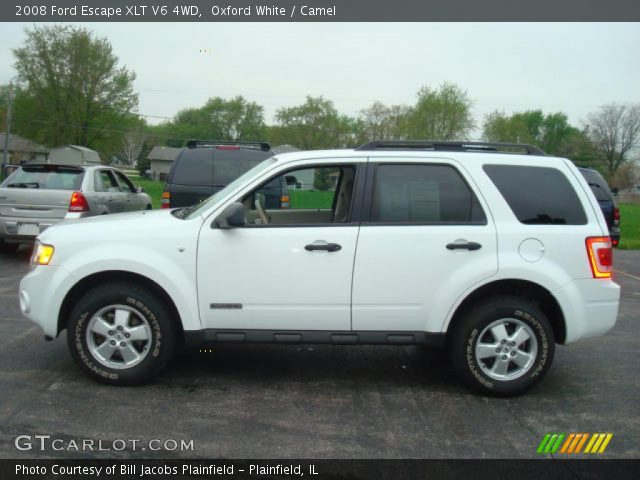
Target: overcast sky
554,66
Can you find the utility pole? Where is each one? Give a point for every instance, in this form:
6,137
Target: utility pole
5,156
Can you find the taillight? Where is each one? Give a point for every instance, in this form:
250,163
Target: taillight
227,147
284,201
78,203
600,252
166,200
616,213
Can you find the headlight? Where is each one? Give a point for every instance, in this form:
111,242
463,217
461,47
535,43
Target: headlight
42,254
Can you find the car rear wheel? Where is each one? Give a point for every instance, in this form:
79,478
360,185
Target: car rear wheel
121,334
502,346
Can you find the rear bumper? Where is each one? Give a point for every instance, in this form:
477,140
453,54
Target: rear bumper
590,307
12,228
615,236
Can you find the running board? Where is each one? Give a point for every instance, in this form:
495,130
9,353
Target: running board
211,336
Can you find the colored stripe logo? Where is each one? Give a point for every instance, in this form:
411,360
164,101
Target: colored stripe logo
574,443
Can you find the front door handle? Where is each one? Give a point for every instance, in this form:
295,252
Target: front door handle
320,245
462,245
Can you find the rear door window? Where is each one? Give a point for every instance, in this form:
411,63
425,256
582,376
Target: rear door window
538,195
125,183
424,194
106,182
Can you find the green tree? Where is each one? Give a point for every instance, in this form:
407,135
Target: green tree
615,133
74,91
551,132
381,122
442,113
226,120
316,124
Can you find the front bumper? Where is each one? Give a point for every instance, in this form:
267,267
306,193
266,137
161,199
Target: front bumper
42,291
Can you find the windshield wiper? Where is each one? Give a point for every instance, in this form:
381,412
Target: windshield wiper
24,185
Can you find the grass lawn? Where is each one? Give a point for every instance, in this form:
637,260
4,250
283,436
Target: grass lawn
311,198
629,226
153,187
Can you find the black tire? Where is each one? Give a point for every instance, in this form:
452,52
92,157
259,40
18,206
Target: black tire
8,247
161,346
466,335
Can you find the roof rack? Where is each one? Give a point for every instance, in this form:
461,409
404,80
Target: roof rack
451,146
264,146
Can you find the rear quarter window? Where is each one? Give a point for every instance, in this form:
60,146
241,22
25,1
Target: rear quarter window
538,195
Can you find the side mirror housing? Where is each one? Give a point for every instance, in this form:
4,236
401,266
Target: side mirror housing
231,217
139,189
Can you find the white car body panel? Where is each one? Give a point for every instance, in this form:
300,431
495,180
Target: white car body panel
265,268
158,246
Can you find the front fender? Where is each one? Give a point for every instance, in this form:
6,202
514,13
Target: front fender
173,271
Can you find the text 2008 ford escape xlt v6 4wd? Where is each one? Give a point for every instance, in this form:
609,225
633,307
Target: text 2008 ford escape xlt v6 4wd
496,255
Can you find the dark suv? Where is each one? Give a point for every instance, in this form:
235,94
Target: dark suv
603,194
204,167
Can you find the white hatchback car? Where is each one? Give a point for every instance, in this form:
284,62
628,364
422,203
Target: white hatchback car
496,255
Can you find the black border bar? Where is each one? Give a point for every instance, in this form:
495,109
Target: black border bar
547,468
326,11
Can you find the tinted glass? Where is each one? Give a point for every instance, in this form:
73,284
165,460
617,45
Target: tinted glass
206,166
598,185
538,195
431,194
46,178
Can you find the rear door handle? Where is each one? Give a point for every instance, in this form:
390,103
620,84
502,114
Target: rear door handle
320,245
462,245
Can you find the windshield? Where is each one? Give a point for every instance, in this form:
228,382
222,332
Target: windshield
200,208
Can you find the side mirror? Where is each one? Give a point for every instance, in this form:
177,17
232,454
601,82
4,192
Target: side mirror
615,190
139,189
232,216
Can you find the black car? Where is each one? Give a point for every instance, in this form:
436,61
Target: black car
205,167
603,194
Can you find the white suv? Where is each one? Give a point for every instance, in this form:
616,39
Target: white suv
496,252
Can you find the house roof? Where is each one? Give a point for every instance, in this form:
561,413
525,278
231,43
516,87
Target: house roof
163,153
74,147
21,144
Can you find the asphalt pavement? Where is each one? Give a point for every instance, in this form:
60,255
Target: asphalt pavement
268,401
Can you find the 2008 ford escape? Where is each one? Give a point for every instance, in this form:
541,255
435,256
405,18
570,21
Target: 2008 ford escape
497,252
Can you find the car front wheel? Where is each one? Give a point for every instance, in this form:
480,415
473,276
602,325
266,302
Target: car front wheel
121,334
502,346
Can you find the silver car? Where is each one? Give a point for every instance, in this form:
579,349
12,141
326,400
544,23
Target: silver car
34,197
